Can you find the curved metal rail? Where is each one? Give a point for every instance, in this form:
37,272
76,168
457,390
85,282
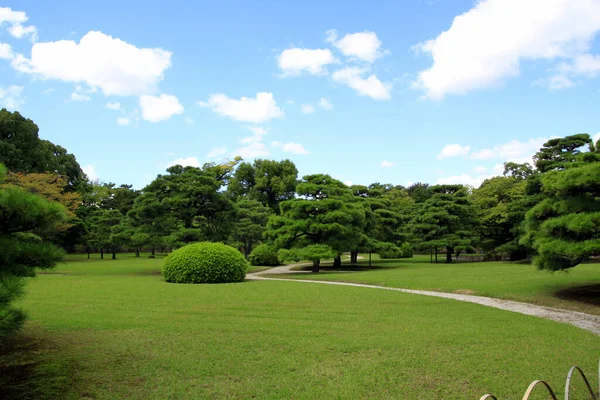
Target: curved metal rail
587,383
534,384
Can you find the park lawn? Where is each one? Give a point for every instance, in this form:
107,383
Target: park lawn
513,281
126,263
114,329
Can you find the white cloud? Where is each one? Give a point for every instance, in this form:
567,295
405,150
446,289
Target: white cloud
189,120
185,162
216,152
481,170
19,31
294,148
253,150
100,61
387,164
78,96
557,82
348,183
453,150
160,108
567,73
370,86
464,179
325,104
258,133
6,52
276,143
250,139
513,150
296,60
362,45
307,109
485,45
258,130
11,98
90,171
113,105
596,137
259,110
123,121
16,19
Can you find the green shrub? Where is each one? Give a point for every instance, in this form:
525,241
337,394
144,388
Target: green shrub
390,250
406,250
264,255
205,262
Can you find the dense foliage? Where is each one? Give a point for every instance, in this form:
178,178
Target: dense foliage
264,255
546,211
205,262
23,218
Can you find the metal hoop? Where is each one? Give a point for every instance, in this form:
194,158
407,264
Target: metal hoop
587,383
549,389
533,385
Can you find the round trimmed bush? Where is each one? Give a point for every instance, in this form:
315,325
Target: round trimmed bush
264,255
205,262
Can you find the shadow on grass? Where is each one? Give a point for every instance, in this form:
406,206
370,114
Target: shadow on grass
30,368
588,294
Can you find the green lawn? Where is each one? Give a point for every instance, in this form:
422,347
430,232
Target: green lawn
514,281
115,329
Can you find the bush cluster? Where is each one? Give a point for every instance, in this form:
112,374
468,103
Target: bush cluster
205,262
389,250
264,255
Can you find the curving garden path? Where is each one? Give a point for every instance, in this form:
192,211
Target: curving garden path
581,320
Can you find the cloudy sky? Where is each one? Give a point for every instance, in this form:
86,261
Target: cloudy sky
438,91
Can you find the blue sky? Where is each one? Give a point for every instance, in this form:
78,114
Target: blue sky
390,91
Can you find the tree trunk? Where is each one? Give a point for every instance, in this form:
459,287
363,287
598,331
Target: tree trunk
101,254
88,252
431,255
337,261
449,251
354,257
316,265
137,252
114,255
436,255
247,250
369,259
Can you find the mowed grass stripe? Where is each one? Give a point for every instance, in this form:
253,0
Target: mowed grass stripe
511,281
131,335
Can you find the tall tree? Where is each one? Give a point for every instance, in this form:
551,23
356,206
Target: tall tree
23,217
267,181
563,227
119,198
419,192
324,213
446,220
499,225
560,152
251,223
106,231
21,150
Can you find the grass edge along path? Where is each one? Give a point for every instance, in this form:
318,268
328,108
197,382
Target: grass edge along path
581,320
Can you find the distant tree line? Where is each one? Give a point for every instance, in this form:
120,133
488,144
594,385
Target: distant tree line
548,212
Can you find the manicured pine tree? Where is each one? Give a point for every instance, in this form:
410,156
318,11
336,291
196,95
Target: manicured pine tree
23,218
323,220
445,220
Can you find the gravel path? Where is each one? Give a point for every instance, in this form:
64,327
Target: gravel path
581,320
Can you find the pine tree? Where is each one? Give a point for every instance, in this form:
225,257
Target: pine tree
445,220
23,218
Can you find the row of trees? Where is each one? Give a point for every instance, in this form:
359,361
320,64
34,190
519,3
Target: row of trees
548,211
